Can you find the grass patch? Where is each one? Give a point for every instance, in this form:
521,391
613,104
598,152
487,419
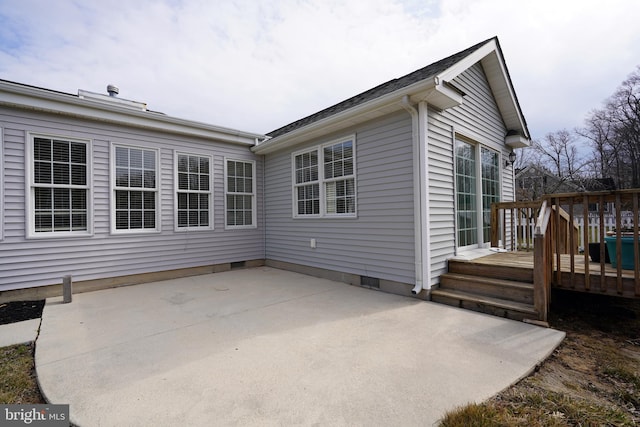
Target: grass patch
593,378
18,383
472,415
537,408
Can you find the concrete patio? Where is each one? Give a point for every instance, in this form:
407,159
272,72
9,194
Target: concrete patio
269,347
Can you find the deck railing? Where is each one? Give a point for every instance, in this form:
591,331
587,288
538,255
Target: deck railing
569,256
513,226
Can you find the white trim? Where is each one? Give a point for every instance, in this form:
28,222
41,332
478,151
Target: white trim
254,207
178,229
112,190
371,109
492,59
425,234
319,149
22,96
294,186
30,232
477,148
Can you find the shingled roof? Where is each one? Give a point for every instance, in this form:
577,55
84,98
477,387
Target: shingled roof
380,90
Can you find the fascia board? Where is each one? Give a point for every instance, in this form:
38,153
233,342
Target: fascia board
501,83
349,116
490,52
65,104
459,67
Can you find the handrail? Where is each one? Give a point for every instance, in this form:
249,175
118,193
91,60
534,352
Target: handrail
543,218
571,236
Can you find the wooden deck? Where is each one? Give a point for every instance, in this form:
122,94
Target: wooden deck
576,276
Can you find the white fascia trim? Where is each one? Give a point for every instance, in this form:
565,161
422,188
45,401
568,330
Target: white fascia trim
483,53
67,104
459,67
294,136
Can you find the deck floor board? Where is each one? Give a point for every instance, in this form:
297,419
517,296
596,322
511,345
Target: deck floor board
525,260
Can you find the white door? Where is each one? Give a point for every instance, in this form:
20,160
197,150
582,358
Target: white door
477,186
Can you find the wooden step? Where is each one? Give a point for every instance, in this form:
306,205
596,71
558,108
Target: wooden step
487,286
494,306
515,273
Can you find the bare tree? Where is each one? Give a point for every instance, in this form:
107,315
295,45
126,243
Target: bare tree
614,132
558,152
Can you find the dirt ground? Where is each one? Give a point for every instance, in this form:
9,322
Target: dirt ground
18,311
593,378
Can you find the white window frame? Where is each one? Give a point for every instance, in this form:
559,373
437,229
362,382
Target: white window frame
322,181
177,190
30,186
477,148
113,188
254,209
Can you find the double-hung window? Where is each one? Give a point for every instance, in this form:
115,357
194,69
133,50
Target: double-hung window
324,180
135,189
240,194
59,175
193,193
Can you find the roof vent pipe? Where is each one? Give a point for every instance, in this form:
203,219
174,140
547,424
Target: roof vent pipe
113,90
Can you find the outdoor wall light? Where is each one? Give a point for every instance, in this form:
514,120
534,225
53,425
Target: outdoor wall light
511,160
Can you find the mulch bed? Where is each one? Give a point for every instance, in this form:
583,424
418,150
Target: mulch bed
17,311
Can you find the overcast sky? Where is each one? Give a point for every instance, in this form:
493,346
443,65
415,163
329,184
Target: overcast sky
257,65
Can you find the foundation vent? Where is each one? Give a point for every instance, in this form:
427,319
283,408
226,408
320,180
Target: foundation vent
370,282
237,265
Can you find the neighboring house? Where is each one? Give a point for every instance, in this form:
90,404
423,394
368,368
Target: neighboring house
379,190
533,182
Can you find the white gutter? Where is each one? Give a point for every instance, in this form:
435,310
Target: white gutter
38,99
419,195
345,118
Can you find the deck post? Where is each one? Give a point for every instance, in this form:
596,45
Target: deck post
540,297
495,226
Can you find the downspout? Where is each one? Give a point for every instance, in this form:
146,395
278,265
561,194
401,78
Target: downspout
417,190
264,207
423,149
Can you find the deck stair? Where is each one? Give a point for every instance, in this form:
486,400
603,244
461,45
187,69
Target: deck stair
503,291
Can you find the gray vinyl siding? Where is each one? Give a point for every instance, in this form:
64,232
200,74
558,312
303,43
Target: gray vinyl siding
380,241
477,118
42,261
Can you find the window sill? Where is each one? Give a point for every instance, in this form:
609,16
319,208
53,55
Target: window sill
134,232
330,217
58,235
240,227
192,229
